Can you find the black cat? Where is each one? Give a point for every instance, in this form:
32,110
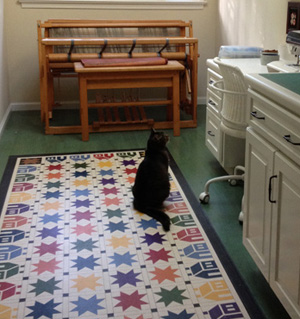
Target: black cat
152,184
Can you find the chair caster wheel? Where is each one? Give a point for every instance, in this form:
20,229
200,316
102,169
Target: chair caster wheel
204,198
233,182
241,217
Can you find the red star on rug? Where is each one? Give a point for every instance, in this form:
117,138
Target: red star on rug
51,248
129,171
164,274
159,255
87,229
50,266
54,167
133,300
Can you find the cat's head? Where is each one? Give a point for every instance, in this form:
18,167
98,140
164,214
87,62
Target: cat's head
157,140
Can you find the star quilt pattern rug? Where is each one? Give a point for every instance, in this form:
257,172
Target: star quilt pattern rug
72,246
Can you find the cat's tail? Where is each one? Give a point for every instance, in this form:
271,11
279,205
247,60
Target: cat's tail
157,214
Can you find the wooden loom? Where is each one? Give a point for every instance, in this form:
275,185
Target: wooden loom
172,39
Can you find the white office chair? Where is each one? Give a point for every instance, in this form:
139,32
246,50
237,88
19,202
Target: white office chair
233,123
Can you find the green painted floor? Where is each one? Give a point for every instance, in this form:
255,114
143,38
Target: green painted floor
24,135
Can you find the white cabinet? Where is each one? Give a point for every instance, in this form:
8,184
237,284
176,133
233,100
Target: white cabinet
271,230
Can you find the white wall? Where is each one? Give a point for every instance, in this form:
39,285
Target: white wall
4,101
255,22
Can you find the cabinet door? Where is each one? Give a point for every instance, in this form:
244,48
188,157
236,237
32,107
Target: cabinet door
257,207
285,253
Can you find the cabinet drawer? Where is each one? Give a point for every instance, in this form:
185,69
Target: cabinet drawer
213,77
278,125
213,136
213,101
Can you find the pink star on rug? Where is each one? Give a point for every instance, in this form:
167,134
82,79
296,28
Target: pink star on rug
159,255
43,266
133,300
51,248
112,201
87,229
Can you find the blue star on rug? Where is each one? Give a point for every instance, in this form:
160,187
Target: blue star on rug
120,226
51,232
40,309
89,262
122,259
109,172
84,305
84,192
151,223
50,218
49,195
80,174
82,203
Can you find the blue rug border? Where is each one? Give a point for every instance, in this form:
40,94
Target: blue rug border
239,284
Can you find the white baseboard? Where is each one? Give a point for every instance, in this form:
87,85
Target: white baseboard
4,119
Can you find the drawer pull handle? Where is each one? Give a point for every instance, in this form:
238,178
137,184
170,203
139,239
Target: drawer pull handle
289,139
254,114
211,102
270,189
210,133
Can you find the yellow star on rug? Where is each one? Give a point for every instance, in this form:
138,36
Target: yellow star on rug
48,206
105,164
83,182
89,282
120,242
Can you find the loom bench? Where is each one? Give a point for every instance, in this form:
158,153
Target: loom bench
154,76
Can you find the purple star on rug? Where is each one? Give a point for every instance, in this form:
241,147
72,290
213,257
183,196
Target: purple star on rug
106,181
40,309
53,232
84,305
156,238
82,203
123,279
129,162
82,215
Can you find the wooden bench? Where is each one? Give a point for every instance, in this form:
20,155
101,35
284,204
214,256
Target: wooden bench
62,43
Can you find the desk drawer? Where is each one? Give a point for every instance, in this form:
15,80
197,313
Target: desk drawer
213,101
213,135
213,77
276,124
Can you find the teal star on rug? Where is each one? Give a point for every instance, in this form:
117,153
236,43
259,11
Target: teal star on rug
123,279
50,218
81,245
49,195
45,286
39,309
168,296
81,263
53,184
122,259
117,227
110,213
85,305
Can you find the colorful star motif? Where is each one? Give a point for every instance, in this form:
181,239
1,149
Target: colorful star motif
182,315
110,213
54,176
57,184
80,165
54,167
173,295
55,206
120,241
133,300
108,181
161,254
129,171
49,265
89,282
39,309
151,223
83,192
87,305
164,274
125,259
86,229
120,226
45,286
89,262
55,194
77,174
129,162
107,191
105,164
112,201
155,238
51,232
82,215
50,218
81,182
82,203
123,279
88,245
45,248
108,172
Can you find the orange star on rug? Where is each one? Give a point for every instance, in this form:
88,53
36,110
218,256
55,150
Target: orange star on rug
49,206
164,274
54,175
89,282
83,182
